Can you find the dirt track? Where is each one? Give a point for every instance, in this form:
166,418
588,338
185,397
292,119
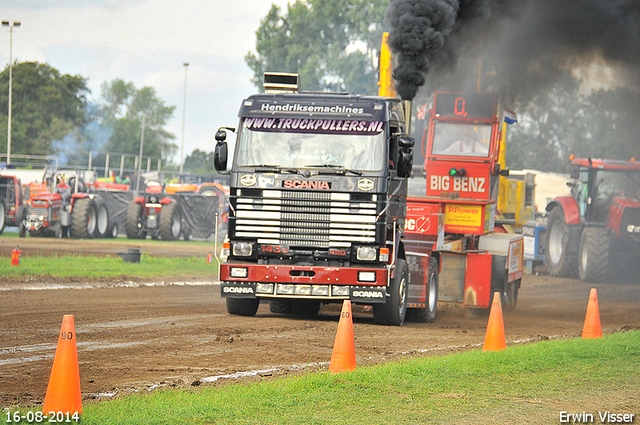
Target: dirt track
133,336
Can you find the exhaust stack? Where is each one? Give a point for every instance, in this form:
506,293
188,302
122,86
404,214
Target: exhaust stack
407,104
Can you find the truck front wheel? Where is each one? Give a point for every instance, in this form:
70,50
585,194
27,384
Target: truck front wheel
428,313
394,310
243,306
559,261
594,254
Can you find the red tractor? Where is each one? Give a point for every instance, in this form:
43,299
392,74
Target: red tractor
597,224
65,207
11,201
157,215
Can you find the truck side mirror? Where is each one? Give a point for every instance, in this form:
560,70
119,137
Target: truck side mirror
220,155
221,152
406,142
405,162
405,156
221,136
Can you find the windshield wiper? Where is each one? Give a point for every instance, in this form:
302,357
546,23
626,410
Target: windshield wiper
272,168
339,169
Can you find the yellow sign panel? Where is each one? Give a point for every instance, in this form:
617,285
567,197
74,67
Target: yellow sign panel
463,215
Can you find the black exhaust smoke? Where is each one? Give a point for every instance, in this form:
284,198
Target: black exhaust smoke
418,32
524,44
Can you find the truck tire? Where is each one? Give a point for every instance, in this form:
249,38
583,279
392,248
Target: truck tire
428,313
594,254
511,295
560,262
84,218
243,306
279,306
394,310
102,224
170,222
133,222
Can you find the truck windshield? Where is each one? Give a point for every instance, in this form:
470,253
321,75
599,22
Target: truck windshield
363,152
461,139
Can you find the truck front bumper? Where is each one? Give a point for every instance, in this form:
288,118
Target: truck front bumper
362,285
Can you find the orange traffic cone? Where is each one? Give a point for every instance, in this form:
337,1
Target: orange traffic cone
63,392
494,338
592,327
343,357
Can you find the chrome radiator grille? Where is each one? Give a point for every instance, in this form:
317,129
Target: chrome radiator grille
40,211
307,219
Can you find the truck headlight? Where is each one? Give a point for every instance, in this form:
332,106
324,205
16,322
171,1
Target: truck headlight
242,249
264,288
633,229
241,272
366,276
340,291
366,253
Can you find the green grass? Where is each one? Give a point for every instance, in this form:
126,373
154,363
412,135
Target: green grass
150,267
523,384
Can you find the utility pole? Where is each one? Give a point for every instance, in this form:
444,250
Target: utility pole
184,113
11,27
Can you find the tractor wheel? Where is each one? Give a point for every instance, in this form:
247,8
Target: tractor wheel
102,225
56,230
594,254
559,261
243,306
279,306
84,218
394,310
428,313
3,214
37,233
133,222
112,232
22,229
170,222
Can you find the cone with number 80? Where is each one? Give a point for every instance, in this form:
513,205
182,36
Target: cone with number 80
63,392
343,357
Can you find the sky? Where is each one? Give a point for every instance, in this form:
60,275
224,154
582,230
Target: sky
147,42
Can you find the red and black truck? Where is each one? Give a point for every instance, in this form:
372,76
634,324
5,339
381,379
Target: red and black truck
318,187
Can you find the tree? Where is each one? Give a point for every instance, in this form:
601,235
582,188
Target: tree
122,108
330,43
199,162
46,106
563,121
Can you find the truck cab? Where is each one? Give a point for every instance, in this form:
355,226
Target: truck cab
318,187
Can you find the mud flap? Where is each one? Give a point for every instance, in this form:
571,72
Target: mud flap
452,277
238,290
478,281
